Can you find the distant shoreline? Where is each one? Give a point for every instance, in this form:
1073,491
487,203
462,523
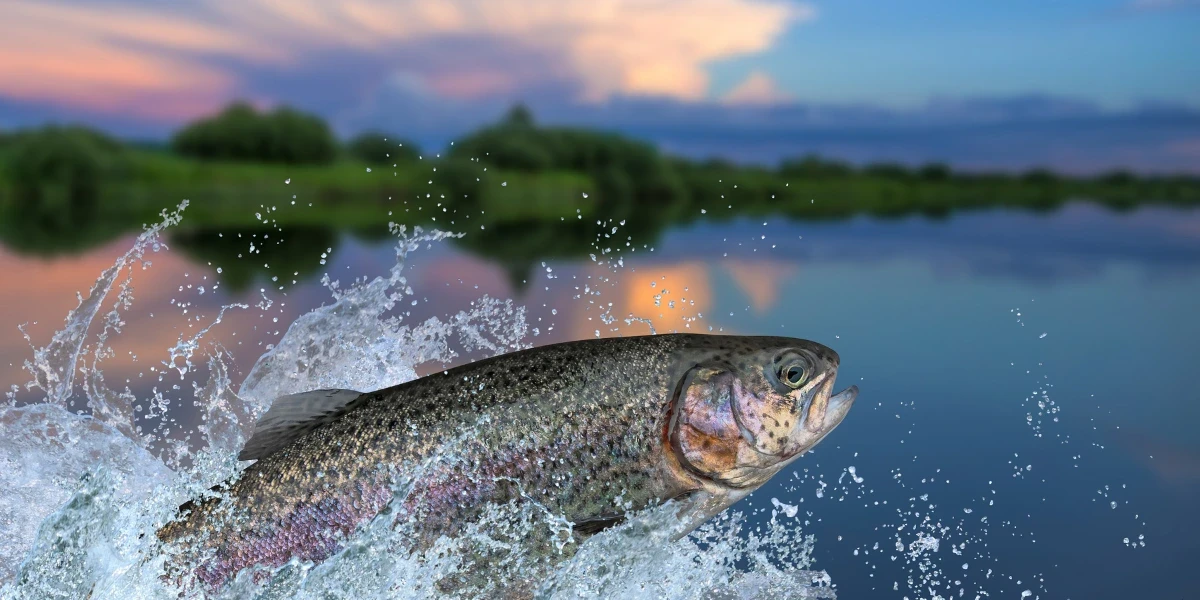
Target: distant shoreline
524,191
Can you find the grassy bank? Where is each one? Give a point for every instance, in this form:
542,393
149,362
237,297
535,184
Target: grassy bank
149,181
53,217
523,192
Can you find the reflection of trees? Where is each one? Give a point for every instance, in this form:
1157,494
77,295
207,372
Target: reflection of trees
67,189
369,235
517,241
519,247
53,218
295,250
31,230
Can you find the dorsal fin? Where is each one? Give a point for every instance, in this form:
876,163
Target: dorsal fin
291,417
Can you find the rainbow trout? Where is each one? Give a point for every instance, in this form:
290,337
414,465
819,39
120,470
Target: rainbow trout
590,430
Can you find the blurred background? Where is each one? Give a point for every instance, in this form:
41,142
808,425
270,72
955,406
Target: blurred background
112,110
896,179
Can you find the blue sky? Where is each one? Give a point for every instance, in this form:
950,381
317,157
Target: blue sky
1116,54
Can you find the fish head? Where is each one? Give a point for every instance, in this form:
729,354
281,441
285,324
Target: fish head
740,415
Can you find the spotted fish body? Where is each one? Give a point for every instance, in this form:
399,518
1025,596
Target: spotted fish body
587,429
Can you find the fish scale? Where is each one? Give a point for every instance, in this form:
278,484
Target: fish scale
581,428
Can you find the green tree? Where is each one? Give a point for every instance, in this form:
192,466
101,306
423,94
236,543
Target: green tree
62,168
627,172
519,116
1118,177
814,167
1039,176
888,171
55,175
518,150
241,133
299,138
934,172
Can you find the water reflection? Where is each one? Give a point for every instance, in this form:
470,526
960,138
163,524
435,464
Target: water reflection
669,282
1175,463
923,311
1078,241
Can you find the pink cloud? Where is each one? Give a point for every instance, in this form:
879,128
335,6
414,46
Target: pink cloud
757,88
1189,148
151,60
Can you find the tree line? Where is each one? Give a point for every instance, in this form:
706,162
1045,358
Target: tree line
81,158
71,178
65,188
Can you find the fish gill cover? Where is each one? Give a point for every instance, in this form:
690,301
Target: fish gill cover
89,470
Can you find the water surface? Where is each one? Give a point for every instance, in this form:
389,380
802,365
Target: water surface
1027,397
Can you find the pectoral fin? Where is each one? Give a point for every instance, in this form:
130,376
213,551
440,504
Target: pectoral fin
693,509
594,525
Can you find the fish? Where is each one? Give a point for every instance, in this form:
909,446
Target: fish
590,430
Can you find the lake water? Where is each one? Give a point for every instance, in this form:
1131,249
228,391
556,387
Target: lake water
1028,396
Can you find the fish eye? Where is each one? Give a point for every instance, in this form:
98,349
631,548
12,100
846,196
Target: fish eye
793,374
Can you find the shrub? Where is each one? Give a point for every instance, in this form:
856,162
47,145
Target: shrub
813,166
934,172
888,171
241,133
1117,177
56,172
514,150
519,116
1040,176
298,138
73,158
516,143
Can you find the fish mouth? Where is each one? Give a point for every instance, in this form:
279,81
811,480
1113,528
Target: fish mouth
839,406
824,418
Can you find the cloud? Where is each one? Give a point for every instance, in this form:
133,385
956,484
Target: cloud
988,133
168,62
116,59
757,88
670,296
434,71
1172,461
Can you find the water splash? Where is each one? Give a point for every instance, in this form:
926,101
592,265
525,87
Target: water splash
83,491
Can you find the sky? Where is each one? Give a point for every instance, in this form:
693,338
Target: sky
720,74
